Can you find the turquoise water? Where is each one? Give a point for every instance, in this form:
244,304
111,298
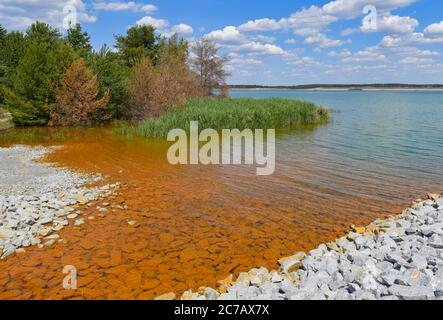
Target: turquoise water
382,147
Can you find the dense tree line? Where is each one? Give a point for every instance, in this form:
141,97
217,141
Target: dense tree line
50,79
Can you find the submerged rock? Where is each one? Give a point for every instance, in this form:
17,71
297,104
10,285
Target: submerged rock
400,258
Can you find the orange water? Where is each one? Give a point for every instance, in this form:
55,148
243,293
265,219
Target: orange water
194,224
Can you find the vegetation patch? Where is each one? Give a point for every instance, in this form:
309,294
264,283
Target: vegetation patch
5,120
231,114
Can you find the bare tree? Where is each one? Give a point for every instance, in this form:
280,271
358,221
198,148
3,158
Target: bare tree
209,66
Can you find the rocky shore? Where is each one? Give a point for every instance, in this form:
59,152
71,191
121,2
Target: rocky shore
400,258
37,200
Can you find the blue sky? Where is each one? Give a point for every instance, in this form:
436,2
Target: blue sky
276,42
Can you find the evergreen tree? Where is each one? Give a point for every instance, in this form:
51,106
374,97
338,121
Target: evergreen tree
77,101
45,59
79,41
112,75
3,34
139,42
42,32
11,51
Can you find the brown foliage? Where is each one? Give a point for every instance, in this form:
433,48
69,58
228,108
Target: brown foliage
154,89
77,101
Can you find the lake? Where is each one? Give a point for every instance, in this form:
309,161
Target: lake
198,224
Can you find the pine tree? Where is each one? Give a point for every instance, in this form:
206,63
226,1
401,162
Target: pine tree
11,51
46,57
112,75
138,43
3,34
79,41
77,101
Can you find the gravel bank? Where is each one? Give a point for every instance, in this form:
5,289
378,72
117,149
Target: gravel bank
400,258
38,200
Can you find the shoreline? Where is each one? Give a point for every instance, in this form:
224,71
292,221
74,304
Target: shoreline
397,258
37,200
339,89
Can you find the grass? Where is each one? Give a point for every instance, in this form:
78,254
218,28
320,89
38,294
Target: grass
231,114
5,120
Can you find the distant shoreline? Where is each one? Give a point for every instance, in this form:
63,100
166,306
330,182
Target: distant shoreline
346,87
337,89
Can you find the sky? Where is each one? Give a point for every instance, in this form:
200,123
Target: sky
278,42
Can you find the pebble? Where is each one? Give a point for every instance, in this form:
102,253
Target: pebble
35,203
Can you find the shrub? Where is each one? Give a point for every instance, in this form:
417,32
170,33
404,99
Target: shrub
153,89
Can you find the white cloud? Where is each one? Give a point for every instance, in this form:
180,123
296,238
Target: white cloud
392,23
245,61
264,24
159,24
122,6
162,26
345,53
304,61
308,21
415,60
435,28
291,41
315,19
260,48
365,55
349,9
323,41
263,38
182,29
228,34
18,15
416,38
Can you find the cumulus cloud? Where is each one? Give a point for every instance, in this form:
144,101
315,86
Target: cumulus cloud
365,56
350,9
124,6
264,24
415,60
263,38
183,29
393,23
345,53
260,48
435,29
416,38
291,41
323,41
228,34
18,15
160,24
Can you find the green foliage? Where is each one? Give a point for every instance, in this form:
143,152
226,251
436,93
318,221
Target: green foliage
139,42
3,34
42,32
46,57
11,51
112,75
5,118
79,41
232,114
171,48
